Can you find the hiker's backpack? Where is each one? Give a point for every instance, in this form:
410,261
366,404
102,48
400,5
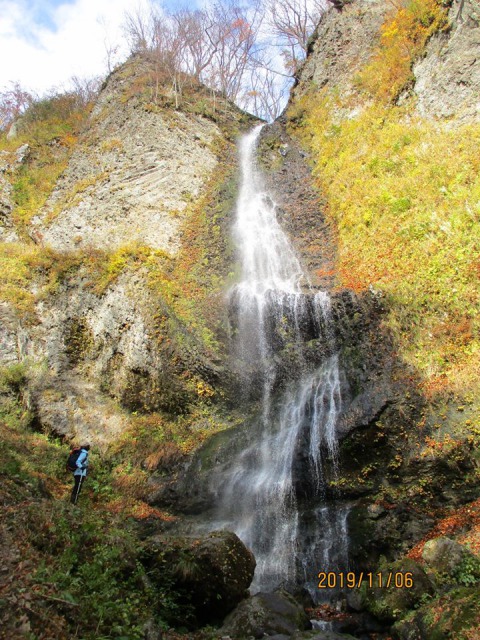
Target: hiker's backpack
72,459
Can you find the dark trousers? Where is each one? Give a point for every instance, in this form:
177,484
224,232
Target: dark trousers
77,487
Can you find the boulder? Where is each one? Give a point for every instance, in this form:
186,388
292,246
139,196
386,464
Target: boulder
447,556
214,571
451,615
266,614
321,635
392,603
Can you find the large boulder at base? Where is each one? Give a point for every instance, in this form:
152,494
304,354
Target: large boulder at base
265,614
447,556
214,571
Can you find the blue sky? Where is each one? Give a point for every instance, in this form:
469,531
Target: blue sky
43,43
42,11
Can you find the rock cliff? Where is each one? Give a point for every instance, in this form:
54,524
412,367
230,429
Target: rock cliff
122,323
447,79
114,331
414,466
133,173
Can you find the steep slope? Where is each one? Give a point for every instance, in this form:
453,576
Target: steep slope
133,173
387,107
115,327
117,337
108,305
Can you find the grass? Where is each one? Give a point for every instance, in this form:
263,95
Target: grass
78,573
24,264
404,194
50,127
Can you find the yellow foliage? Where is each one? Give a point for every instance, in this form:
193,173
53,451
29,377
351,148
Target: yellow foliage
403,38
131,256
204,390
19,265
405,196
31,272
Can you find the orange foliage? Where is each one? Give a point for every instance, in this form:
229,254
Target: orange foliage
137,509
403,37
466,517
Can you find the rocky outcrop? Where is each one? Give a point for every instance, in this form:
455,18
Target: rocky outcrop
341,45
390,603
105,336
299,205
11,334
8,163
447,79
99,352
133,173
445,556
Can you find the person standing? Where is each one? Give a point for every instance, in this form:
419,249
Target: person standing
80,472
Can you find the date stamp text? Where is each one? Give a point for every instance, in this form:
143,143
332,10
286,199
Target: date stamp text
352,580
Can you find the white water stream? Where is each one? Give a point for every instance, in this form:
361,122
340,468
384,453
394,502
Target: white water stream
257,498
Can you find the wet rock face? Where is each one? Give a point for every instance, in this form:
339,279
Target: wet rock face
366,389
288,176
447,79
266,614
215,571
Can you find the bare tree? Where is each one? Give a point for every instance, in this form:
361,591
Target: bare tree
266,93
233,36
224,47
293,22
85,90
13,102
194,30
111,49
138,30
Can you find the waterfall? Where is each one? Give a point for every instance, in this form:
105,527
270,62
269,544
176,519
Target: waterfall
274,311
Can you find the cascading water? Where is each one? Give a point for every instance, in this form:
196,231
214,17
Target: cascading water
272,315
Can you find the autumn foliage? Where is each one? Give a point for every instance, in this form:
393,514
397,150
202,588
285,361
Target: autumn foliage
403,37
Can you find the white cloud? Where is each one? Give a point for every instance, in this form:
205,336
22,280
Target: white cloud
75,41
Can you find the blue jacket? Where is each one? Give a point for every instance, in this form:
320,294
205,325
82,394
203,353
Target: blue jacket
82,464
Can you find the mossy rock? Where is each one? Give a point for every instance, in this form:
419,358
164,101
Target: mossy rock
452,559
78,340
392,603
214,572
265,614
454,615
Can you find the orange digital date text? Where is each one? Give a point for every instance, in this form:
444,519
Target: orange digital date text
352,580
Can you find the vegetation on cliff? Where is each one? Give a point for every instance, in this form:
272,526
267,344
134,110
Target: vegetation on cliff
403,196
80,573
403,193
